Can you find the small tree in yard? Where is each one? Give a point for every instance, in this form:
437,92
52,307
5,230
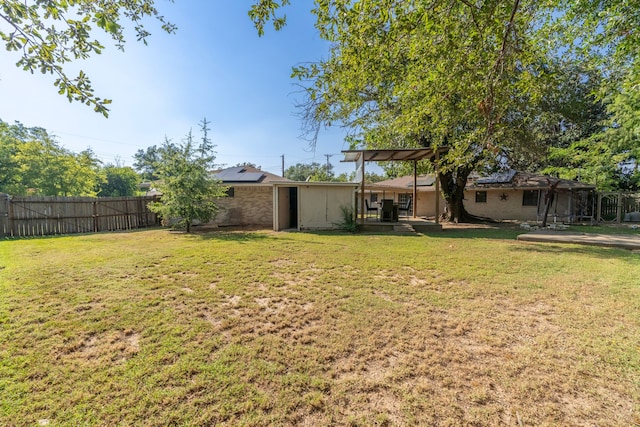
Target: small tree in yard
188,191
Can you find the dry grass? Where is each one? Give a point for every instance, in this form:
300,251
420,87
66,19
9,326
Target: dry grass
462,327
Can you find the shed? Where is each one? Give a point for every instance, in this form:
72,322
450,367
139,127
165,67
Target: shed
311,205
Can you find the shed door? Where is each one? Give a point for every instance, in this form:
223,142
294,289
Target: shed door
293,207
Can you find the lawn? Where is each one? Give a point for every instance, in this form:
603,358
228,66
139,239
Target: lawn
460,327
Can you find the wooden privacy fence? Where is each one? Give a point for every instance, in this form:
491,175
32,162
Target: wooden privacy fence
39,216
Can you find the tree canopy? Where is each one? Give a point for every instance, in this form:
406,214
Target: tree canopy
33,163
409,73
119,181
313,172
47,35
478,77
188,189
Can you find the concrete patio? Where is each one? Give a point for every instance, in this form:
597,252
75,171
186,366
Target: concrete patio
623,241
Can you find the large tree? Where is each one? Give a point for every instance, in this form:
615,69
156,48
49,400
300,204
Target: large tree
415,73
146,161
468,75
188,189
33,163
119,181
604,35
313,172
47,35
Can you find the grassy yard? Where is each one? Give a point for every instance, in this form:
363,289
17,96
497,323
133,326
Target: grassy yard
461,327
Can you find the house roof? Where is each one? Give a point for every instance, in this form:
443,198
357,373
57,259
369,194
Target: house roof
525,180
509,179
247,175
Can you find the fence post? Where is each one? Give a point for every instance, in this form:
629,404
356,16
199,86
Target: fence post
10,217
619,208
4,214
95,216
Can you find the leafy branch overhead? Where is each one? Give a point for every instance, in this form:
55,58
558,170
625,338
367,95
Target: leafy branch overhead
47,35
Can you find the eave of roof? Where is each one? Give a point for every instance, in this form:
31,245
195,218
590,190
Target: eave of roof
522,180
387,155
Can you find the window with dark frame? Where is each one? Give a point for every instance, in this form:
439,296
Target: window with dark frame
373,197
403,198
481,197
230,192
530,197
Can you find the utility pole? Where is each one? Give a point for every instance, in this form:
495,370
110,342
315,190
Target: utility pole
282,164
328,164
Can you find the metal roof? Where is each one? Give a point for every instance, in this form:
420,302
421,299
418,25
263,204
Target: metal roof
402,154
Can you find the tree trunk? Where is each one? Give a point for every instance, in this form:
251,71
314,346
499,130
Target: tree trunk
453,185
549,197
188,223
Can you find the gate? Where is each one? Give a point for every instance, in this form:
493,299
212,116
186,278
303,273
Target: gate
618,207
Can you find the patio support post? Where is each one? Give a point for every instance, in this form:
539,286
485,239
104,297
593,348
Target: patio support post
571,196
437,187
415,188
362,218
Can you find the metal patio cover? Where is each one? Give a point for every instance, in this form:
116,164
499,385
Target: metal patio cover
397,155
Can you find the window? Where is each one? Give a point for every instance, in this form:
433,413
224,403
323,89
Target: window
481,197
231,192
530,197
373,197
403,198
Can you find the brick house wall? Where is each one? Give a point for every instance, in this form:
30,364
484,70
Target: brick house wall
249,205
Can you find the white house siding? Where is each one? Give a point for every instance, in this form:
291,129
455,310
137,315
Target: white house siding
496,208
250,205
320,205
427,204
512,208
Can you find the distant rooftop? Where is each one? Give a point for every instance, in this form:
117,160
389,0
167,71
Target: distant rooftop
406,182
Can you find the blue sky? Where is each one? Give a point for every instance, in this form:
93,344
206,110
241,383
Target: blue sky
215,66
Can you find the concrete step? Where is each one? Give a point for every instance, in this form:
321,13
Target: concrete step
403,229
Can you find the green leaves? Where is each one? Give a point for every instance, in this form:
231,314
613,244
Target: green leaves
46,36
33,163
264,11
188,191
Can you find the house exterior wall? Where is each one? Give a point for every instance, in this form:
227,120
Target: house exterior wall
496,208
426,200
513,209
320,206
427,204
250,205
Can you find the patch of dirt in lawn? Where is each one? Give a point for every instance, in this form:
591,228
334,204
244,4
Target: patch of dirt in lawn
488,360
516,365
115,346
